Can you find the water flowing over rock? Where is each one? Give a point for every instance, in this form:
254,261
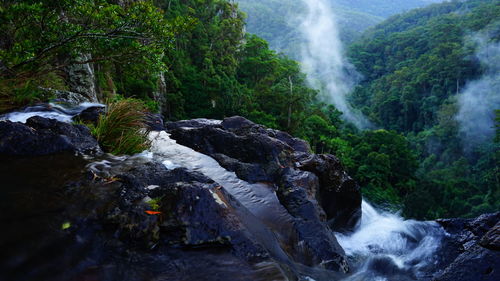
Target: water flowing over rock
211,200
292,237
258,154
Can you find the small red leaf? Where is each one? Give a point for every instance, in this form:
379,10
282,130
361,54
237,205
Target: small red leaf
152,212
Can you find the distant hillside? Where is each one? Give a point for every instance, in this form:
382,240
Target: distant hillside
429,42
421,69
275,20
382,8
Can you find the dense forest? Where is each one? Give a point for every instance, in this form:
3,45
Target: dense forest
277,21
417,68
192,58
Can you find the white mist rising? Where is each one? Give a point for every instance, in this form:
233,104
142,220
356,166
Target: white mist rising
480,98
323,59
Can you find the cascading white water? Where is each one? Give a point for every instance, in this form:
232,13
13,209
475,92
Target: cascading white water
404,247
259,199
51,111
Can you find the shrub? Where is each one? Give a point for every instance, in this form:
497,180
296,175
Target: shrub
122,130
19,92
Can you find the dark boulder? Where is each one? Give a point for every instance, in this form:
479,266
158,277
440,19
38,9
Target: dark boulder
154,122
491,240
251,172
475,264
339,194
193,123
297,192
70,224
41,136
307,185
470,252
256,153
193,212
90,115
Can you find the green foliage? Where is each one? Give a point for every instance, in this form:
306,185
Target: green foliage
385,165
277,20
15,93
274,85
121,130
39,37
154,203
193,57
414,64
38,31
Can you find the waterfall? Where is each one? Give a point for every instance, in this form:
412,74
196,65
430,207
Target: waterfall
384,246
387,247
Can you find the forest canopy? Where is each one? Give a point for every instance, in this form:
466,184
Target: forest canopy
193,58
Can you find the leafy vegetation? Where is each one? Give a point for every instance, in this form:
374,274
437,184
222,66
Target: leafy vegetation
192,58
276,21
43,38
414,66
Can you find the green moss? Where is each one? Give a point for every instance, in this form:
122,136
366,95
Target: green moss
154,203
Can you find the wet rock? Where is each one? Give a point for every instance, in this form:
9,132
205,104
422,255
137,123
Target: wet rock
251,172
297,193
193,123
250,144
193,212
154,122
475,264
316,247
90,115
81,78
491,239
307,185
339,194
243,141
68,96
109,236
41,136
471,251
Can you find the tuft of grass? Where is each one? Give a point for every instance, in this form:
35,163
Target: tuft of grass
121,129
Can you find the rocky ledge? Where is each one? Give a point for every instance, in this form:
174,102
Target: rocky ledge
131,218
41,136
472,249
140,210
308,185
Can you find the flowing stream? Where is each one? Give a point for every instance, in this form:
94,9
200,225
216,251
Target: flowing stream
51,110
384,246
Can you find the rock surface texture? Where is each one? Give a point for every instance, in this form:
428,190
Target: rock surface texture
471,252
41,136
314,189
133,218
257,154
